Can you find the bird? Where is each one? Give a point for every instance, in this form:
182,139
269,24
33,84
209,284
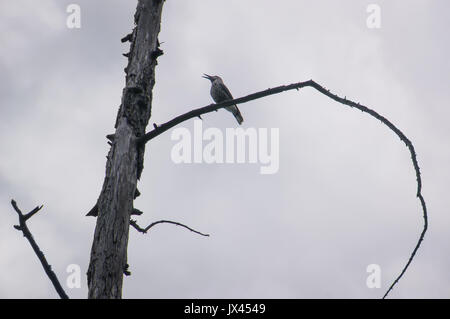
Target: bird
220,93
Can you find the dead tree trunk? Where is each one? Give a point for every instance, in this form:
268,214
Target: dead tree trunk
125,159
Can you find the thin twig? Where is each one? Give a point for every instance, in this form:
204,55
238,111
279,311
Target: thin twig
145,230
158,129
26,232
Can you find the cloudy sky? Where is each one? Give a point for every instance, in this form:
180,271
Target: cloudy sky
342,199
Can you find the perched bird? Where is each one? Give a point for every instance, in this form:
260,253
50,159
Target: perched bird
220,93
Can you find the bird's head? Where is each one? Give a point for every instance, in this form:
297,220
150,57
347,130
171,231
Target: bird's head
212,78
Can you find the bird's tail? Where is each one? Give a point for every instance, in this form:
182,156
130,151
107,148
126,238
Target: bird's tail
238,116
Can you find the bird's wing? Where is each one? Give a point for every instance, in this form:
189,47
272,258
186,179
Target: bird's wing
225,90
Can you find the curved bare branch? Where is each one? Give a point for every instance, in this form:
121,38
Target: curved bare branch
158,129
145,230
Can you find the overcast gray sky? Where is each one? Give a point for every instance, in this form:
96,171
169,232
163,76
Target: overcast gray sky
344,195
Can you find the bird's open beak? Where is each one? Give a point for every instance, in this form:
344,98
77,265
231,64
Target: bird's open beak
206,76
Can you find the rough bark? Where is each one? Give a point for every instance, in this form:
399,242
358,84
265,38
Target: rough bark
125,159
